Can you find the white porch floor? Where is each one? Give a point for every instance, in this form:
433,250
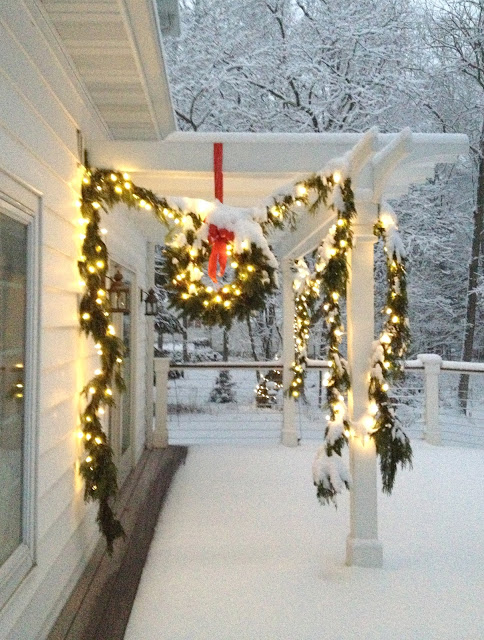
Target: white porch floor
243,551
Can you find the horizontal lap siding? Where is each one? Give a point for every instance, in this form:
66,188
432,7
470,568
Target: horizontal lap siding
40,110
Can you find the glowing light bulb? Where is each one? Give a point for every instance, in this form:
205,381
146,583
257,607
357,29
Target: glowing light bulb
373,408
86,316
336,177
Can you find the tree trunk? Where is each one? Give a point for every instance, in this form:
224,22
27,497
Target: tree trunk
185,339
225,350
472,297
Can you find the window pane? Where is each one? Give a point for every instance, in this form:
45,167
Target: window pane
13,281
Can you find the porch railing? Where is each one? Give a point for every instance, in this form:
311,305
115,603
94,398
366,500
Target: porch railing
427,403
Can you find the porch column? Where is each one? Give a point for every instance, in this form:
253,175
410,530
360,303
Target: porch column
363,547
160,434
289,434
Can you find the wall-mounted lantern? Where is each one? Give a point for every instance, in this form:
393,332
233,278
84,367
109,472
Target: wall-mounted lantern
119,291
151,302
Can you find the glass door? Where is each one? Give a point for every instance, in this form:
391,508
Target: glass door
13,292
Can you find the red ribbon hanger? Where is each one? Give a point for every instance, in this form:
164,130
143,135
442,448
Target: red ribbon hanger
218,238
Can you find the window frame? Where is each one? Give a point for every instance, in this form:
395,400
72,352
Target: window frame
24,204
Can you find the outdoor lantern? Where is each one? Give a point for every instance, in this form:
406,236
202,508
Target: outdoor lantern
151,302
119,294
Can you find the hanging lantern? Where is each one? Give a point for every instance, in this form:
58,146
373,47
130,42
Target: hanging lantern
151,302
119,294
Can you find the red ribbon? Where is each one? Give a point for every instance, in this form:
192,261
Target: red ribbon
219,238
218,176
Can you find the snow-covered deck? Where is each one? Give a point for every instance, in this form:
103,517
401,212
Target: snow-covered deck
243,551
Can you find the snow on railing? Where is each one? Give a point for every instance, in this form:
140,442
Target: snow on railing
427,403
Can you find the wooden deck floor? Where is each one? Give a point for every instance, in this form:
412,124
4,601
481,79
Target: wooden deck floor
101,602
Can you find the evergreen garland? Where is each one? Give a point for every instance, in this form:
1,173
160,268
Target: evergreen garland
392,444
254,279
101,190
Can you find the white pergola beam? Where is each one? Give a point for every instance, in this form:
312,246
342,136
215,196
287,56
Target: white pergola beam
387,159
257,156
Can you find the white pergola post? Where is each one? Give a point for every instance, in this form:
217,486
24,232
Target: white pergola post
160,433
363,547
290,436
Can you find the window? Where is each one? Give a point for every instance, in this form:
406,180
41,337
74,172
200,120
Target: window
18,360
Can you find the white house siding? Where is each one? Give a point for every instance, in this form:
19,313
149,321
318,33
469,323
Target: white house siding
41,106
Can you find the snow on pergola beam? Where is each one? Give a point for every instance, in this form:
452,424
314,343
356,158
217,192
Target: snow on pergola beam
257,164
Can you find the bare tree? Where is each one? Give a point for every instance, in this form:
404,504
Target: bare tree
457,36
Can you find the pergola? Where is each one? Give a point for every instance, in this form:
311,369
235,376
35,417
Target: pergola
381,166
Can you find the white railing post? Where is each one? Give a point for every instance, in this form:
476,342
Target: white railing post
432,364
160,432
290,437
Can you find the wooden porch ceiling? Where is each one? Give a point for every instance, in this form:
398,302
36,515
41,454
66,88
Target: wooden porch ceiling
115,47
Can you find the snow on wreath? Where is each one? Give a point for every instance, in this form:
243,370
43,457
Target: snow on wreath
217,263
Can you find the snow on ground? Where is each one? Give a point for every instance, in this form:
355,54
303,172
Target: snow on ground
243,551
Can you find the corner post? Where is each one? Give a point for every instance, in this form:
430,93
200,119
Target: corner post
160,433
289,434
432,364
363,547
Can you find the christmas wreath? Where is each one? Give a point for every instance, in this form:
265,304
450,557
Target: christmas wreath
217,263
